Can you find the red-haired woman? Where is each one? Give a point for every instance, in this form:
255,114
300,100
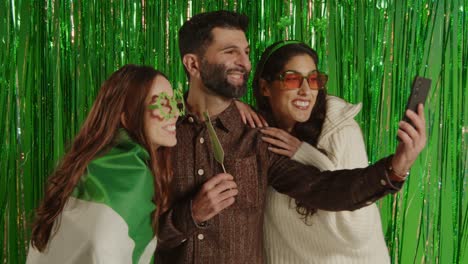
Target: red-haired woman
102,202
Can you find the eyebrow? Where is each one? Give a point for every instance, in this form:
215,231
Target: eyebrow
234,47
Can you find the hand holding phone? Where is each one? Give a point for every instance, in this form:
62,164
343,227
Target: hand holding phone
413,134
418,95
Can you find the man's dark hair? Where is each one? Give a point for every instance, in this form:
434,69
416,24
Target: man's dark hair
195,34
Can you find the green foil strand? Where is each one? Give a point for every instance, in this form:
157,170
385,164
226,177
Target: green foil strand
55,54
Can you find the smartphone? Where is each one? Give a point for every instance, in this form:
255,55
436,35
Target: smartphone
418,95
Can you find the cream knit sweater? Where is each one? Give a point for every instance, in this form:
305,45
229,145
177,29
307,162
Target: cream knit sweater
331,237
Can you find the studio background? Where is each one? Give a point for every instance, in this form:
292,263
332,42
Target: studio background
55,54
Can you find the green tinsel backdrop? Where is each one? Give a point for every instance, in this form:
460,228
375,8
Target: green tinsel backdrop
55,54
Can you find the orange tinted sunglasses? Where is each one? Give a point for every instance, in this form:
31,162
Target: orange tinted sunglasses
293,80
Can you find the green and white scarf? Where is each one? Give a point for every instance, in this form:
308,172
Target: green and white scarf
108,217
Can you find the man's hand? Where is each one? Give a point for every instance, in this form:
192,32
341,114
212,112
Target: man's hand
215,195
413,141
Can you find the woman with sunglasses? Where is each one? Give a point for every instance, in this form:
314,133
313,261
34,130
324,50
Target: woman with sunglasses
317,129
102,202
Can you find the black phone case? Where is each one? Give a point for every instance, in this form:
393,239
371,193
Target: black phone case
418,95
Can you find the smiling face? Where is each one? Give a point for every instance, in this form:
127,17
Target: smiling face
291,106
159,130
225,65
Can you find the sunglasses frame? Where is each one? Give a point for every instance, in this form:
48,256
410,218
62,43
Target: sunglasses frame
321,78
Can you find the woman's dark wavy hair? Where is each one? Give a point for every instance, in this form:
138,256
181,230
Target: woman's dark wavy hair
271,65
125,92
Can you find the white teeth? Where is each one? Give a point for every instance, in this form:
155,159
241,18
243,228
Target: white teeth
171,128
237,76
301,103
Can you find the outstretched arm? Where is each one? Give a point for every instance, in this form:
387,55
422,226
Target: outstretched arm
350,189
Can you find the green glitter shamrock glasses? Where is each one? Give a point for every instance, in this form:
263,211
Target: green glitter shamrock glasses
169,106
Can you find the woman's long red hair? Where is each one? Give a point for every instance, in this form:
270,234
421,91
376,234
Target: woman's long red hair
123,94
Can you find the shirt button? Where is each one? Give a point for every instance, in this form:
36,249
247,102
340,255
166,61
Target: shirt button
200,237
190,119
202,140
201,172
383,182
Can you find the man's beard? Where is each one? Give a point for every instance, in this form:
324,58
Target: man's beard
214,77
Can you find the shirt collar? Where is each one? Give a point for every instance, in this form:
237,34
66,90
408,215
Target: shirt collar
229,118
226,120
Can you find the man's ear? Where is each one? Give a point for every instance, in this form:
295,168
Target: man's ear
192,65
264,89
123,120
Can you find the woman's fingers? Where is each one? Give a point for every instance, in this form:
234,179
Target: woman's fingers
282,142
283,152
276,133
409,131
416,131
249,116
419,122
265,123
281,135
276,143
244,119
250,120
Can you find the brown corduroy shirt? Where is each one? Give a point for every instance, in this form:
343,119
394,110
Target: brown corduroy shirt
236,234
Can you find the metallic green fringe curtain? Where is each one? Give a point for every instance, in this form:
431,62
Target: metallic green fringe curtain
55,54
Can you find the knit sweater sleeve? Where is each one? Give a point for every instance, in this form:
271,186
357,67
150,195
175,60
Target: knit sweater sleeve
360,227
347,151
351,150
309,155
